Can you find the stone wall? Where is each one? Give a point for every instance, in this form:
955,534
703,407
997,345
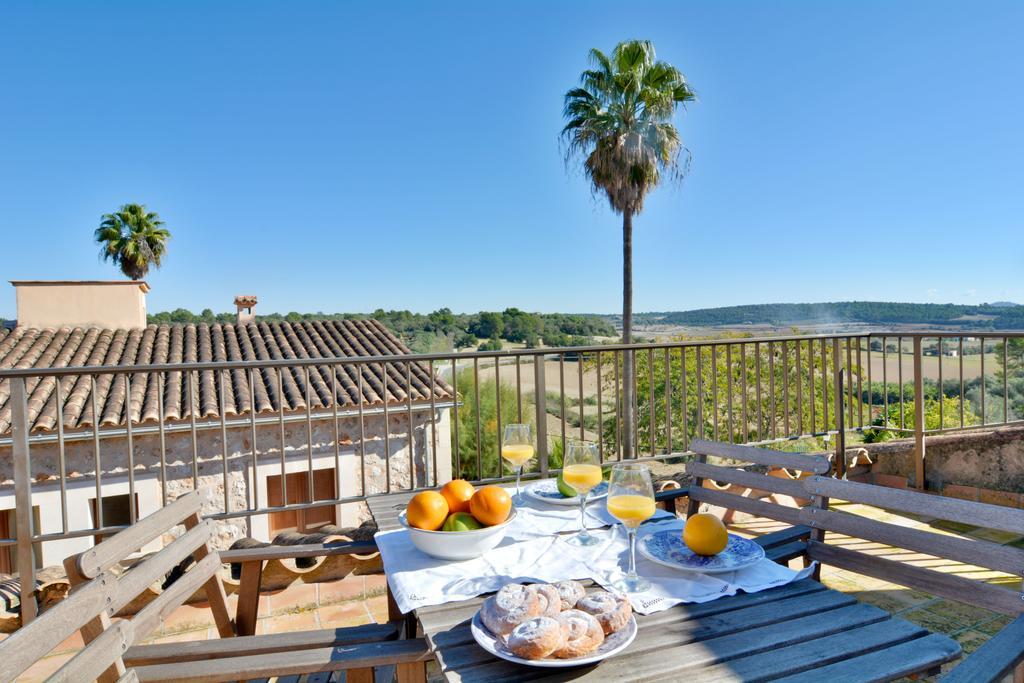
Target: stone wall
987,459
245,486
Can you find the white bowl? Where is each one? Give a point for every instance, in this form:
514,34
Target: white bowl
458,545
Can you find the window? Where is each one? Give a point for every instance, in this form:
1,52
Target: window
116,512
305,521
9,529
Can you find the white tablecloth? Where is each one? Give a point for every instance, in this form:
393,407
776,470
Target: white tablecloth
530,552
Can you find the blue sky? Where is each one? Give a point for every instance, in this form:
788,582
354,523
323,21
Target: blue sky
343,157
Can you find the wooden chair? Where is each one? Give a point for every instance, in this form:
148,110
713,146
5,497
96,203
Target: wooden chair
1001,656
111,652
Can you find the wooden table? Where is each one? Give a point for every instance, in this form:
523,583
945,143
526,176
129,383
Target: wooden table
803,631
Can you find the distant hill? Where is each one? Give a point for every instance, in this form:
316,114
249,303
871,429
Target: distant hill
1002,315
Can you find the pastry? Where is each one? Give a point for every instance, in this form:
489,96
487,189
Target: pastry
583,635
509,607
570,592
550,599
612,611
537,638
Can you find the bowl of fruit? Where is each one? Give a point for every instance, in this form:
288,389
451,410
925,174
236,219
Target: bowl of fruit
459,522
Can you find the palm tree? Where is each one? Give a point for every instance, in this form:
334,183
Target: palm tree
133,239
620,126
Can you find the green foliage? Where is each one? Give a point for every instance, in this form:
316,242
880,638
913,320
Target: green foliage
619,122
488,324
938,413
492,344
133,239
483,401
465,340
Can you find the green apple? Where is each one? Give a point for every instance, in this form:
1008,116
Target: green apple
461,521
565,489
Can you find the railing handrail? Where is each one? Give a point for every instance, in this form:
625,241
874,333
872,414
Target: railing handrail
398,358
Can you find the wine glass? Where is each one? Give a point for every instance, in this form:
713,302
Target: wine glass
631,501
517,450
581,470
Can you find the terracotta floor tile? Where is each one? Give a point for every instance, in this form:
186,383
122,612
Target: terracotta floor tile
345,614
44,668
350,588
282,623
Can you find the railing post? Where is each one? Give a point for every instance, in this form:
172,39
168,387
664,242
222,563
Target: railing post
23,499
540,399
919,414
840,414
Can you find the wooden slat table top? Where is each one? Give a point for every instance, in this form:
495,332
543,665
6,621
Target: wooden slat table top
797,630
803,631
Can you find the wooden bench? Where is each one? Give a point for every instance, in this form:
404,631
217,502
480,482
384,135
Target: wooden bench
113,651
1001,656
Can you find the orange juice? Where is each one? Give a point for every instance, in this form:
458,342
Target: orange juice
517,454
631,509
582,477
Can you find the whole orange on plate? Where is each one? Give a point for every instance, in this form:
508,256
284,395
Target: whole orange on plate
458,492
490,505
427,510
705,534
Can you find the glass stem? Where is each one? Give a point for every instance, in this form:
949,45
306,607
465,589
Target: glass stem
632,552
519,473
583,515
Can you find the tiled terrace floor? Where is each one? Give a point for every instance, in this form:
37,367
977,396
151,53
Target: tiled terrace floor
360,600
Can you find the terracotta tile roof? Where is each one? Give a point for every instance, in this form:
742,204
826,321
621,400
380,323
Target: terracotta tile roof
26,348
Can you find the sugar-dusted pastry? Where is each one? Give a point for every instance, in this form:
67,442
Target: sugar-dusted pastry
584,634
537,638
570,592
612,611
509,607
550,599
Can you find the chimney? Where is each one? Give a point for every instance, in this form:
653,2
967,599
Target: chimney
113,304
245,303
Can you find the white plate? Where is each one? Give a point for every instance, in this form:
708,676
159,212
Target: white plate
666,547
612,645
546,491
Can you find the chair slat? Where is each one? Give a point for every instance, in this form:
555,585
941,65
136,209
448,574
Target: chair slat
176,594
977,552
952,509
937,583
362,656
278,552
762,456
167,653
154,568
97,657
34,641
754,480
743,504
117,547
993,660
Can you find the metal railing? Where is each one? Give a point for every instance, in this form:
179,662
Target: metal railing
745,390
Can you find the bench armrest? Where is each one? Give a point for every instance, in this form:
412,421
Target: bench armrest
289,552
993,660
671,494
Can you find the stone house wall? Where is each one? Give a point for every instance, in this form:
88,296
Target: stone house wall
245,485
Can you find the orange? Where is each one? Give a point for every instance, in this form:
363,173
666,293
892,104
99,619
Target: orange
705,534
490,505
458,492
427,510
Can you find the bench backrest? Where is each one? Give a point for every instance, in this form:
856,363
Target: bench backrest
98,593
818,515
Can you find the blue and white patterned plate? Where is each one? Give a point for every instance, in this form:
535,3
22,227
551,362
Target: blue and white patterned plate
667,548
546,491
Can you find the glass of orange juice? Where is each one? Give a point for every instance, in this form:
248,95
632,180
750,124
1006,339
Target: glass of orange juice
581,470
517,450
631,501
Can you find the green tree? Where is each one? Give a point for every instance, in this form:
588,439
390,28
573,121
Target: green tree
488,325
133,239
619,122
521,326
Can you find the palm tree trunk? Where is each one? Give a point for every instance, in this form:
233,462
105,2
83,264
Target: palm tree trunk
628,393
